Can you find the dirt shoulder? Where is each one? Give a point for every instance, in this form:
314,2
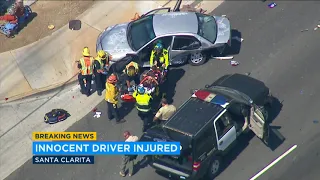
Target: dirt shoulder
57,13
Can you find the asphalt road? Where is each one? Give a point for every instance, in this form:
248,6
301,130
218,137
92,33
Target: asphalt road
275,51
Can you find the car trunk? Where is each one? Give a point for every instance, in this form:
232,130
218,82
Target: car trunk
180,165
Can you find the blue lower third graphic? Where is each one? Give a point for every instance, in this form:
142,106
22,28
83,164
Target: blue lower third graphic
63,159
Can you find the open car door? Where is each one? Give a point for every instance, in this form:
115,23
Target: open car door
157,11
258,124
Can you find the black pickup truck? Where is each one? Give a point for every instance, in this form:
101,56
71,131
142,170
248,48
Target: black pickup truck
208,124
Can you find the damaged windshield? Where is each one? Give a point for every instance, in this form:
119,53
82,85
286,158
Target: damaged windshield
140,32
207,27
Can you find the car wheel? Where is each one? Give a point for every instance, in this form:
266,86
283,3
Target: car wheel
197,59
214,168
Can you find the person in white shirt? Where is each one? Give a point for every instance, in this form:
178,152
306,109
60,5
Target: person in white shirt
128,159
165,112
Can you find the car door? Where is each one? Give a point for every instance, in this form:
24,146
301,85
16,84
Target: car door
145,52
157,11
183,46
225,131
258,124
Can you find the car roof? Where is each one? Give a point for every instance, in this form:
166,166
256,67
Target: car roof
193,116
253,88
175,23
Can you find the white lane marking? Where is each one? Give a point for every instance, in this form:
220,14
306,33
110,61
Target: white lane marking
274,162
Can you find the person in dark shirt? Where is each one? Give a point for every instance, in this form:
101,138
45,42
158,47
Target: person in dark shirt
98,70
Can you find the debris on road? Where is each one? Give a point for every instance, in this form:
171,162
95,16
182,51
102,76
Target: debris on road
315,121
6,99
304,30
97,114
237,38
234,63
75,25
94,109
301,92
272,5
51,27
223,58
136,17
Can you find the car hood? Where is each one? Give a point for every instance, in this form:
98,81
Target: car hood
224,30
114,41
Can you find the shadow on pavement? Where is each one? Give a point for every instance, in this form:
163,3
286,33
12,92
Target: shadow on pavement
143,163
274,109
25,24
174,76
125,109
229,51
235,43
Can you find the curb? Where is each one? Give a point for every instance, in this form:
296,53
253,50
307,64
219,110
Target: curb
37,93
29,2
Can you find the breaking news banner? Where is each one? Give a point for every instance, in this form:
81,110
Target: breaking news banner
64,136
106,148
79,148
63,159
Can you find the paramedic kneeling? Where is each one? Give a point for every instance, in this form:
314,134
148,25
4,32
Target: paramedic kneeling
165,112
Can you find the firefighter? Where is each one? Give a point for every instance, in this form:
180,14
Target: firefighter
159,56
111,97
85,64
143,105
131,73
98,70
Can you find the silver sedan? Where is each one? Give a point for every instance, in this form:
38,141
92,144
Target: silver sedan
186,35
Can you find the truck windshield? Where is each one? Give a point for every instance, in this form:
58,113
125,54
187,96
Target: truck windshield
140,32
207,27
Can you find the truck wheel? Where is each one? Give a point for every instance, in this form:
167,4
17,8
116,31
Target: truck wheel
197,58
214,168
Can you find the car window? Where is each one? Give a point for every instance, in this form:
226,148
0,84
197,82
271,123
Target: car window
223,125
186,43
205,143
207,27
140,32
145,53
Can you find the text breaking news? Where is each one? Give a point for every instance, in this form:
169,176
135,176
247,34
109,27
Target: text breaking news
64,136
63,159
106,148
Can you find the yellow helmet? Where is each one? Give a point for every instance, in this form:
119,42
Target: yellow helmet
102,54
86,51
131,71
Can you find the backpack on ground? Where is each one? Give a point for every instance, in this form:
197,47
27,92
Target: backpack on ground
56,115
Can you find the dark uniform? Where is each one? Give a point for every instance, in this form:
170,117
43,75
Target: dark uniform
100,80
